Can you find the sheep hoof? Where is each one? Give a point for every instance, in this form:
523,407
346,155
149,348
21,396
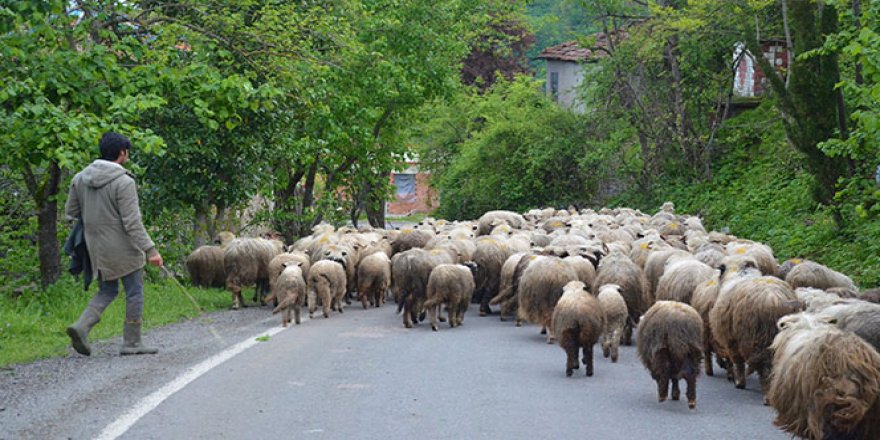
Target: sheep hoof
407,325
433,327
606,352
326,315
614,359
568,372
589,373
692,404
482,313
661,399
766,401
741,386
441,319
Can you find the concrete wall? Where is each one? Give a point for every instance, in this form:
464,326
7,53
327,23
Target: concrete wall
570,74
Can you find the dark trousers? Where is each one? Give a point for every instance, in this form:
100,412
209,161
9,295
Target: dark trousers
133,284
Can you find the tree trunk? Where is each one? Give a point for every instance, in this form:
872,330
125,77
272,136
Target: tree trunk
375,208
47,221
199,227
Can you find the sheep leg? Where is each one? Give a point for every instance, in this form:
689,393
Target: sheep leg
707,359
606,344
433,311
588,359
662,388
297,311
676,393
615,345
440,313
237,300
764,377
364,300
312,301
739,372
407,317
691,380
626,338
571,352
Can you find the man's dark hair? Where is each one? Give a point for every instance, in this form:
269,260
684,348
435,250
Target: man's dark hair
112,144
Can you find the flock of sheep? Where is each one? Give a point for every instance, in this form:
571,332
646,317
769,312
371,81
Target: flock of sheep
586,277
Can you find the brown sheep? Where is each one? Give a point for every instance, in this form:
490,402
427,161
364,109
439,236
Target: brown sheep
410,271
743,322
614,306
327,283
493,218
670,343
279,262
409,239
654,267
373,279
871,295
583,268
290,292
453,285
578,320
825,383
490,255
540,287
680,278
509,274
246,262
761,252
732,269
205,264
618,269
811,274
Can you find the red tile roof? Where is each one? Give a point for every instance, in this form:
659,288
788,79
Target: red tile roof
570,51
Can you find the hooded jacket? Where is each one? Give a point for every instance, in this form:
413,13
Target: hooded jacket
104,196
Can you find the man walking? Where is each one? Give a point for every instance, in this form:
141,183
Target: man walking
104,195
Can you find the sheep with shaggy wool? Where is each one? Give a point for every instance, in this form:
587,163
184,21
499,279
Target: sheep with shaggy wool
680,278
410,271
811,274
326,281
614,306
617,268
452,285
491,219
279,262
654,267
859,317
825,383
409,239
489,256
578,322
373,279
510,273
246,263
289,291
670,342
762,253
205,264
540,287
584,269
731,270
743,322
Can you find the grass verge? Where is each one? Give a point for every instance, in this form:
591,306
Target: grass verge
34,328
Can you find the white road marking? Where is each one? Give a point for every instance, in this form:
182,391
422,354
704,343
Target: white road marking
149,403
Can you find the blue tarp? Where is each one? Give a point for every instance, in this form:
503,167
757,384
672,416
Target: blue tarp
405,185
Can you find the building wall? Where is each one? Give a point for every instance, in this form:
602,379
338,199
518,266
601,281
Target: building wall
570,74
424,200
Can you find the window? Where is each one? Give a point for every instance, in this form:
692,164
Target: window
554,85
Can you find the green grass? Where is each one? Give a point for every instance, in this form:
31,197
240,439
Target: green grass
414,218
33,328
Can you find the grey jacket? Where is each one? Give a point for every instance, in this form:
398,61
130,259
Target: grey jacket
104,195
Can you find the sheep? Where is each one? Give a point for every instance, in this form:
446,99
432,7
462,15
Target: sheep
246,262
493,218
670,346
326,281
761,252
654,267
731,270
489,256
453,285
205,264
614,306
871,295
410,271
373,278
643,247
510,273
289,291
583,268
279,262
859,317
825,382
409,239
540,287
743,322
618,269
578,320
811,274
680,278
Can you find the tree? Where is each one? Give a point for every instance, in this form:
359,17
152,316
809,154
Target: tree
70,73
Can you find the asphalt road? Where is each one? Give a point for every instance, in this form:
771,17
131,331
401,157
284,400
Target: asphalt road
362,375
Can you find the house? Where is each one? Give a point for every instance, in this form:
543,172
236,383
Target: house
749,81
566,65
412,193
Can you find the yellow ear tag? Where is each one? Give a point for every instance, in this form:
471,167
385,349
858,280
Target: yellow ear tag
644,245
556,224
797,261
741,250
406,231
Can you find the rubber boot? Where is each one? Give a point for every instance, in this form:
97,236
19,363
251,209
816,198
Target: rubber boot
131,340
79,332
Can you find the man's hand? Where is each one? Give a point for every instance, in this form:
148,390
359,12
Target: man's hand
156,260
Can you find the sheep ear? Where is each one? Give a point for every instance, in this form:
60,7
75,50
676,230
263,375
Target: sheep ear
722,268
300,264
